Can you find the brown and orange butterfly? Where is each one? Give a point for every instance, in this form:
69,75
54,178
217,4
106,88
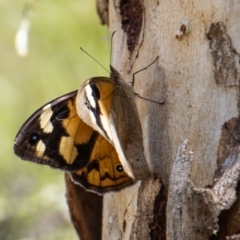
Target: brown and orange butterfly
94,134
55,135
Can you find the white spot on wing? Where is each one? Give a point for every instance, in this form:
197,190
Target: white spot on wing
40,148
45,123
47,106
90,96
67,149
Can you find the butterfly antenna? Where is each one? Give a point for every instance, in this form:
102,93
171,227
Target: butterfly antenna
94,60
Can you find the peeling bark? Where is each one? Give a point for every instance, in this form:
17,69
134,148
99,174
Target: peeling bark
225,57
185,202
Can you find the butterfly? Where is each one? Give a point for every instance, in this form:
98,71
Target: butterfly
91,134
108,106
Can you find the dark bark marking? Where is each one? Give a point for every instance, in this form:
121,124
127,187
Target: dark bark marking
131,12
158,225
124,225
229,145
225,144
225,58
184,29
229,220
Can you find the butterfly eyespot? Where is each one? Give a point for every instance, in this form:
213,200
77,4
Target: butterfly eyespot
87,105
138,160
119,168
34,138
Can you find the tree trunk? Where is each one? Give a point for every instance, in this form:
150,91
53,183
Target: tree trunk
191,92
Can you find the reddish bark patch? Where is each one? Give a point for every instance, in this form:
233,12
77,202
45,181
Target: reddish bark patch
131,12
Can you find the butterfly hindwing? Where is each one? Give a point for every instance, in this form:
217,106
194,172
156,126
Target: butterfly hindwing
104,156
55,135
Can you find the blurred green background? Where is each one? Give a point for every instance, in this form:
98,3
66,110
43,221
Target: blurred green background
32,199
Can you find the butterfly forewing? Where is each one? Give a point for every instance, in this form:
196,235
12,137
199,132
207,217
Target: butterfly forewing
47,136
55,135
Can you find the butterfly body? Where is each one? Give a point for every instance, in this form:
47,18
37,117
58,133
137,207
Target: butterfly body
56,136
108,106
